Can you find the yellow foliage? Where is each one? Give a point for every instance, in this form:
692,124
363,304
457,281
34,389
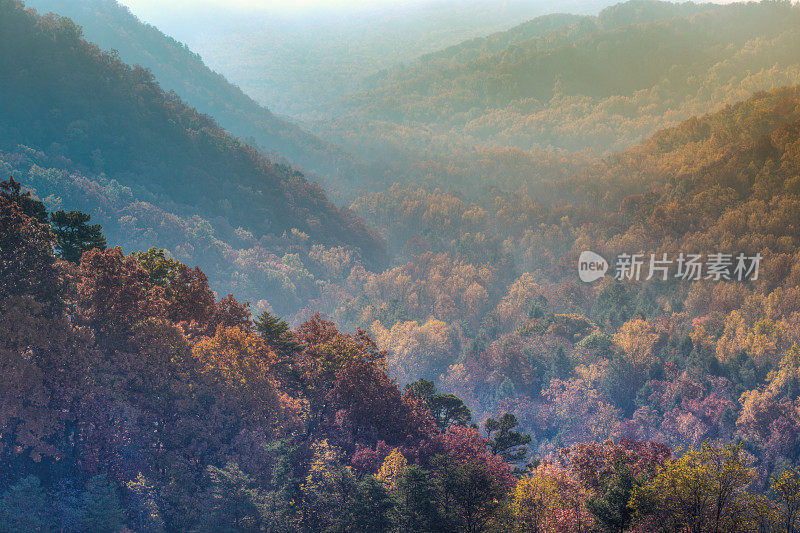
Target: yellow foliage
638,339
705,489
392,468
241,360
415,349
786,489
549,500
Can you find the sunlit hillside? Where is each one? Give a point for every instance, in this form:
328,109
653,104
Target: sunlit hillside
531,274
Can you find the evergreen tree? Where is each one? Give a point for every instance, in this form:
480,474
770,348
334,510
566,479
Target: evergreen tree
446,409
236,499
101,510
422,389
23,508
417,500
505,390
281,503
74,236
469,493
369,509
276,334
66,505
560,366
610,507
449,409
29,206
506,441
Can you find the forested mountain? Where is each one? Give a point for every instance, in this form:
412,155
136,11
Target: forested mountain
149,162
573,28
132,397
442,366
678,361
300,60
113,27
596,83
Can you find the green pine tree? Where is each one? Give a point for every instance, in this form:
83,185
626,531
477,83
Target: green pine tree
101,511
610,507
276,334
74,236
236,499
505,440
416,501
560,365
446,409
23,508
29,205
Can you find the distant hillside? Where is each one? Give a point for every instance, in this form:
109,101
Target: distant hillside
300,62
550,31
113,27
68,103
481,46
601,83
693,180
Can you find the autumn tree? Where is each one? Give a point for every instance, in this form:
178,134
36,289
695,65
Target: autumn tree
241,364
536,502
186,290
705,489
392,468
115,294
327,488
415,349
786,490
144,496
27,263
549,499
475,481
30,206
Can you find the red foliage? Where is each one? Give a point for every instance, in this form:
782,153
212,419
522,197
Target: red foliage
27,265
190,297
588,462
114,293
229,313
466,445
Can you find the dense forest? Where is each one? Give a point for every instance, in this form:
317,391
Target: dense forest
79,124
569,83
426,359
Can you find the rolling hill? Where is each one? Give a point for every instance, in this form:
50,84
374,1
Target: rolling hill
598,83
300,61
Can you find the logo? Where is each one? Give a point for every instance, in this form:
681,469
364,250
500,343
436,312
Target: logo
591,267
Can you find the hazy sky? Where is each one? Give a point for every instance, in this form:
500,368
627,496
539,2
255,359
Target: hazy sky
159,10
265,5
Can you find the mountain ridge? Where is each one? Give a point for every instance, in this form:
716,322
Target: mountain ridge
113,26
